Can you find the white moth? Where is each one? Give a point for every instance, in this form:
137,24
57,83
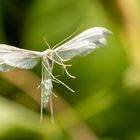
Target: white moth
83,44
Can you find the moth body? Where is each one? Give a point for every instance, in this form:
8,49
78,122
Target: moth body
83,44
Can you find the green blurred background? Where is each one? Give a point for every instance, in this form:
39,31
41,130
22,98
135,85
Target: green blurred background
106,104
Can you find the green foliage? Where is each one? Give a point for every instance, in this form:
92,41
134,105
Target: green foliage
106,103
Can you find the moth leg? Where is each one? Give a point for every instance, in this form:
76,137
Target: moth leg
54,78
57,61
57,80
54,95
51,108
64,66
42,93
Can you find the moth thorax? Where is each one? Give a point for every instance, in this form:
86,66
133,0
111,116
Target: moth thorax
48,53
47,58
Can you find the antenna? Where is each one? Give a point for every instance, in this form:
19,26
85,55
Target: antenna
46,42
67,37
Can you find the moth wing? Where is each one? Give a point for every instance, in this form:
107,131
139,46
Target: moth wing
11,57
95,35
83,43
5,68
69,51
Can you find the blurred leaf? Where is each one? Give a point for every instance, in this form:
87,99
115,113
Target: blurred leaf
53,20
107,84
1,25
19,123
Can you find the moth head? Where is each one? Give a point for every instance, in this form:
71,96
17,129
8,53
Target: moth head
48,53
